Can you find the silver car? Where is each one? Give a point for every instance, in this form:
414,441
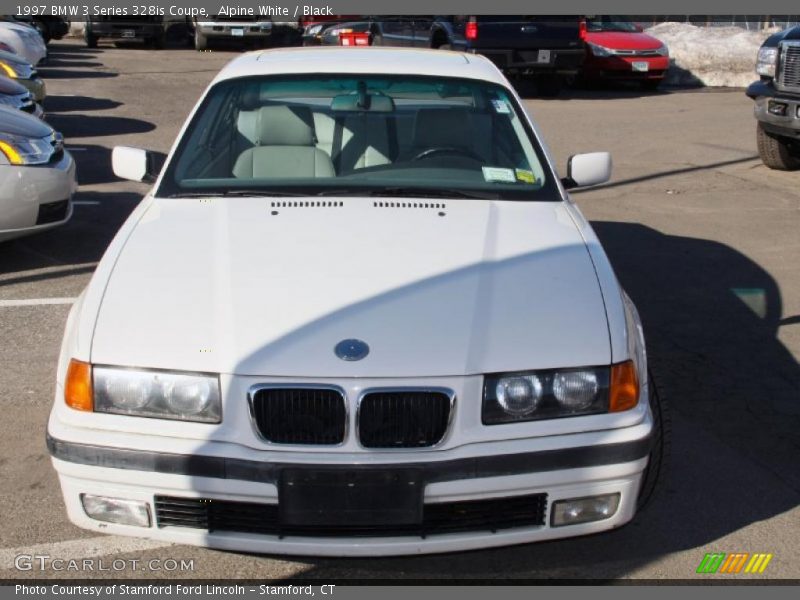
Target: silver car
17,68
13,95
37,176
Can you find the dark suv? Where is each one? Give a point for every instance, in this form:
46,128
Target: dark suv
545,49
777,97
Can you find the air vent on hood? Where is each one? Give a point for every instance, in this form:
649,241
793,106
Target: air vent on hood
430,205
307,204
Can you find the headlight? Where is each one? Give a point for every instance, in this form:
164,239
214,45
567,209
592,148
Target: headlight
8,70
598,50
555,393
767,59
663,50
27,151
181,396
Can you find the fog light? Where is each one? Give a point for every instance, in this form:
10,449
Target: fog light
584,510
116,510
777,108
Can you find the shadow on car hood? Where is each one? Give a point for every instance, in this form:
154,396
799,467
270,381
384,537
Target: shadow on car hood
257,286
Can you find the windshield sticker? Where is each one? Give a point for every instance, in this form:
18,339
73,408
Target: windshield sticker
501,107
525,176
498,174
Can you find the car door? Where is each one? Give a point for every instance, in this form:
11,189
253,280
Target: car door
422,31
397,31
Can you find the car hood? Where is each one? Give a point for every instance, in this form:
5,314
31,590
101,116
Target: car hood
257,286
16,122
11,87
623,40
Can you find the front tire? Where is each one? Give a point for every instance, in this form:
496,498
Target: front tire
658,460
776,152
90,39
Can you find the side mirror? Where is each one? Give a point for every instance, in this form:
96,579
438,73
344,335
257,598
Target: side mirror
588,169
136,164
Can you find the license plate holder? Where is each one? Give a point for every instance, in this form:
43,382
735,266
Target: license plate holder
543,57
237,31
350,497
641,66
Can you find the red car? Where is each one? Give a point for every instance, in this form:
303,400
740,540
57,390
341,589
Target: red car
619,50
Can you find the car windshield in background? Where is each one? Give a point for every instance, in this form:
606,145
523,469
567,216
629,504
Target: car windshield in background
359,135
611,24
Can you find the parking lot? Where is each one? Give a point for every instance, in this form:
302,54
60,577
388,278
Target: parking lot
703,237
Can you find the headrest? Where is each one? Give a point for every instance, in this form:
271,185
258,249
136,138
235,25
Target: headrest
436,127
285,126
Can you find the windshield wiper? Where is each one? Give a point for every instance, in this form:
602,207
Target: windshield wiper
239,192
411,192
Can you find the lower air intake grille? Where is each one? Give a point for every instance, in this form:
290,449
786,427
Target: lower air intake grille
314,416
403,418
448,517
52,212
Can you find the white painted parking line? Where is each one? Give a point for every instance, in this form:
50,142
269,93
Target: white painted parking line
77,549
36,302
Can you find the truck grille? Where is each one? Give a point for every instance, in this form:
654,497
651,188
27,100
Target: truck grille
789,67
475,515
403,418
313,415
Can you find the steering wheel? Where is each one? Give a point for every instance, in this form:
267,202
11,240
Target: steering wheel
429,152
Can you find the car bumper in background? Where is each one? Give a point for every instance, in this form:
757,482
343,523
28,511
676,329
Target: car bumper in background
779,114
35,86
566,62
35,198
634,68
233,29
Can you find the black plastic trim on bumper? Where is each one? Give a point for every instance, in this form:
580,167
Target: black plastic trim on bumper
269,472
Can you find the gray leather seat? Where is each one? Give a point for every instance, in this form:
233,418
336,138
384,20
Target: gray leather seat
284,147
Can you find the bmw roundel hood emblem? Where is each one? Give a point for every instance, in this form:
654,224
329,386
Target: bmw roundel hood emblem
351,349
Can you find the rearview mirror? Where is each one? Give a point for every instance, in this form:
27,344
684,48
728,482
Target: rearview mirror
588,169
136,164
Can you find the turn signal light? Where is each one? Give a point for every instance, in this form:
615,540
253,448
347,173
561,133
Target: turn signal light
624,388
78,387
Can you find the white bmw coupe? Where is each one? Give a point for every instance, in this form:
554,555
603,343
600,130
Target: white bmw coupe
357,314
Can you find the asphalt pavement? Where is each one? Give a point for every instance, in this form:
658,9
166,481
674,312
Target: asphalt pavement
704,238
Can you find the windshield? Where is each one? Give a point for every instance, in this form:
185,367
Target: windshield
610,23
359,135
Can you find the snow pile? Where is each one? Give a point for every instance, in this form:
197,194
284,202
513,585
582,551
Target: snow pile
710,56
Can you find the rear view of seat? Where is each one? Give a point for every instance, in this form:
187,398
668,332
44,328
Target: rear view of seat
284,146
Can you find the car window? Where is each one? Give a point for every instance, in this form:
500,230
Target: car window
359,133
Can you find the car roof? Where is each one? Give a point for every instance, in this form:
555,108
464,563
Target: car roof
370,60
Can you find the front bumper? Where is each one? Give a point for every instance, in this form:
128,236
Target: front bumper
219,472
126,31
35,198
787,125
234,29
35,86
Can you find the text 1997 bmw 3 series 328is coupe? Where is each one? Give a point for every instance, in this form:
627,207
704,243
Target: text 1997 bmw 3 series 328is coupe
357,314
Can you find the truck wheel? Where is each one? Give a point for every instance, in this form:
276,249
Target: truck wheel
200,41
90,39
549,86
159,41
657,463
776,152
